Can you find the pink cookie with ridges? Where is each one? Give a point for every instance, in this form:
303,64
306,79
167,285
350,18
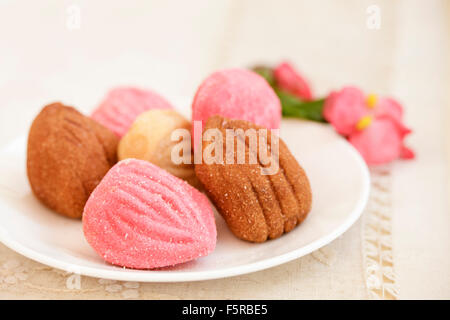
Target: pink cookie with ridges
237,94
142,217
123,105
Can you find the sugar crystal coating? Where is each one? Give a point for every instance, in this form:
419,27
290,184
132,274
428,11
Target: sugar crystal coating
122,105
256,207
237,94
142,217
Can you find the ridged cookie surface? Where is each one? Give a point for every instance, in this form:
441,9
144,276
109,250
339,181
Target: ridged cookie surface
68,155
142,217
122,105
256,207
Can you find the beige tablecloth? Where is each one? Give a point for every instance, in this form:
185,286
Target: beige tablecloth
400,248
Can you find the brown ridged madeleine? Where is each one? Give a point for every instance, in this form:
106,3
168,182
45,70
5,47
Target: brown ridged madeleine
68,155
256,207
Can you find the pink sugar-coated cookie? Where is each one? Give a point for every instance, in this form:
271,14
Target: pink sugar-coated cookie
237,94
142,217
122,105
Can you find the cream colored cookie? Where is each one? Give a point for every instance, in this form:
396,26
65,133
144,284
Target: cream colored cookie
149,138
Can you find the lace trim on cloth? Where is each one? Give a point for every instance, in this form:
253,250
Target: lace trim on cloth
377,252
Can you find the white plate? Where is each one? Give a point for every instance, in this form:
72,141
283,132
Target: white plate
340,185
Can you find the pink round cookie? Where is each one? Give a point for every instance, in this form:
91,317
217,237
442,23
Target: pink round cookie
142,217
122,105
237,94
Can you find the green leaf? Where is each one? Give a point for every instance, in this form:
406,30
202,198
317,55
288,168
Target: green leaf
292,106
266,73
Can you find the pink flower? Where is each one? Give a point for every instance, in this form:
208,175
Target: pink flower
387,106
290,80
372,125
343,109
381,141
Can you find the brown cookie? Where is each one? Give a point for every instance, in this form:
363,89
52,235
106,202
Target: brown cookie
256,207
68,155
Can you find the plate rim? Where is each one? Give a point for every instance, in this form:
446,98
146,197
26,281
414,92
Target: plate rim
180,276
